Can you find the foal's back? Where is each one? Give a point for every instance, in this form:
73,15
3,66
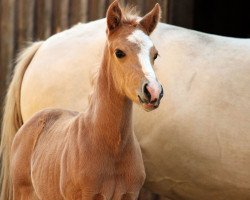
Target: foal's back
39,146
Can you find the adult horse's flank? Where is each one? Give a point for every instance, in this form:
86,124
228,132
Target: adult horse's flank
61,154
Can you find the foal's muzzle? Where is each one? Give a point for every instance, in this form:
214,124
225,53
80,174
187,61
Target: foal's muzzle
151,95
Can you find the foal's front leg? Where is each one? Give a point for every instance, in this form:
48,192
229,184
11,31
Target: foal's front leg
126,196
130,196
124,193
71,193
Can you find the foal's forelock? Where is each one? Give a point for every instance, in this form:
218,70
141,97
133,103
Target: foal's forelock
145,45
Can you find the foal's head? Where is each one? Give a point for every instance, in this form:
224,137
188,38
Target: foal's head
132,55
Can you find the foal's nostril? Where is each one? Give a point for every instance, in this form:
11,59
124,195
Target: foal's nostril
153,101
162,92
146,92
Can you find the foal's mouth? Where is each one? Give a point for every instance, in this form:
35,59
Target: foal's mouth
148,106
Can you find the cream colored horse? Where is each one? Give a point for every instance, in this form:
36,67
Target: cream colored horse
197,146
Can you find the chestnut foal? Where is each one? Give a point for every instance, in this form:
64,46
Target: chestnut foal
60,154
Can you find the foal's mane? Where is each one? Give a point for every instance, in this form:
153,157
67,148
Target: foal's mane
130,14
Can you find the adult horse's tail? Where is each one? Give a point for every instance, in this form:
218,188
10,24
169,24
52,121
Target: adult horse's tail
12,119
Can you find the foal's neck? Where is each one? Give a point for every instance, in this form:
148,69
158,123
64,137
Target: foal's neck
110,112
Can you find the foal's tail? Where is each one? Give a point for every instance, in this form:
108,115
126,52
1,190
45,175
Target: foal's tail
12,119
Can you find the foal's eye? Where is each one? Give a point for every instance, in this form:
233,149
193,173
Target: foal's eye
155,56
119,53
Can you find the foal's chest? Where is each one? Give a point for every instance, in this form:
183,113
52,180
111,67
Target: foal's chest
102,176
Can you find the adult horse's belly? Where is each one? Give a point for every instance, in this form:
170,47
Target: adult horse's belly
197,144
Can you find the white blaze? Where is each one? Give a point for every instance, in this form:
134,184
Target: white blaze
145,44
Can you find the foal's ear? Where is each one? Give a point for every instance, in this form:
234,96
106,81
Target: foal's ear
150,20
114,16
